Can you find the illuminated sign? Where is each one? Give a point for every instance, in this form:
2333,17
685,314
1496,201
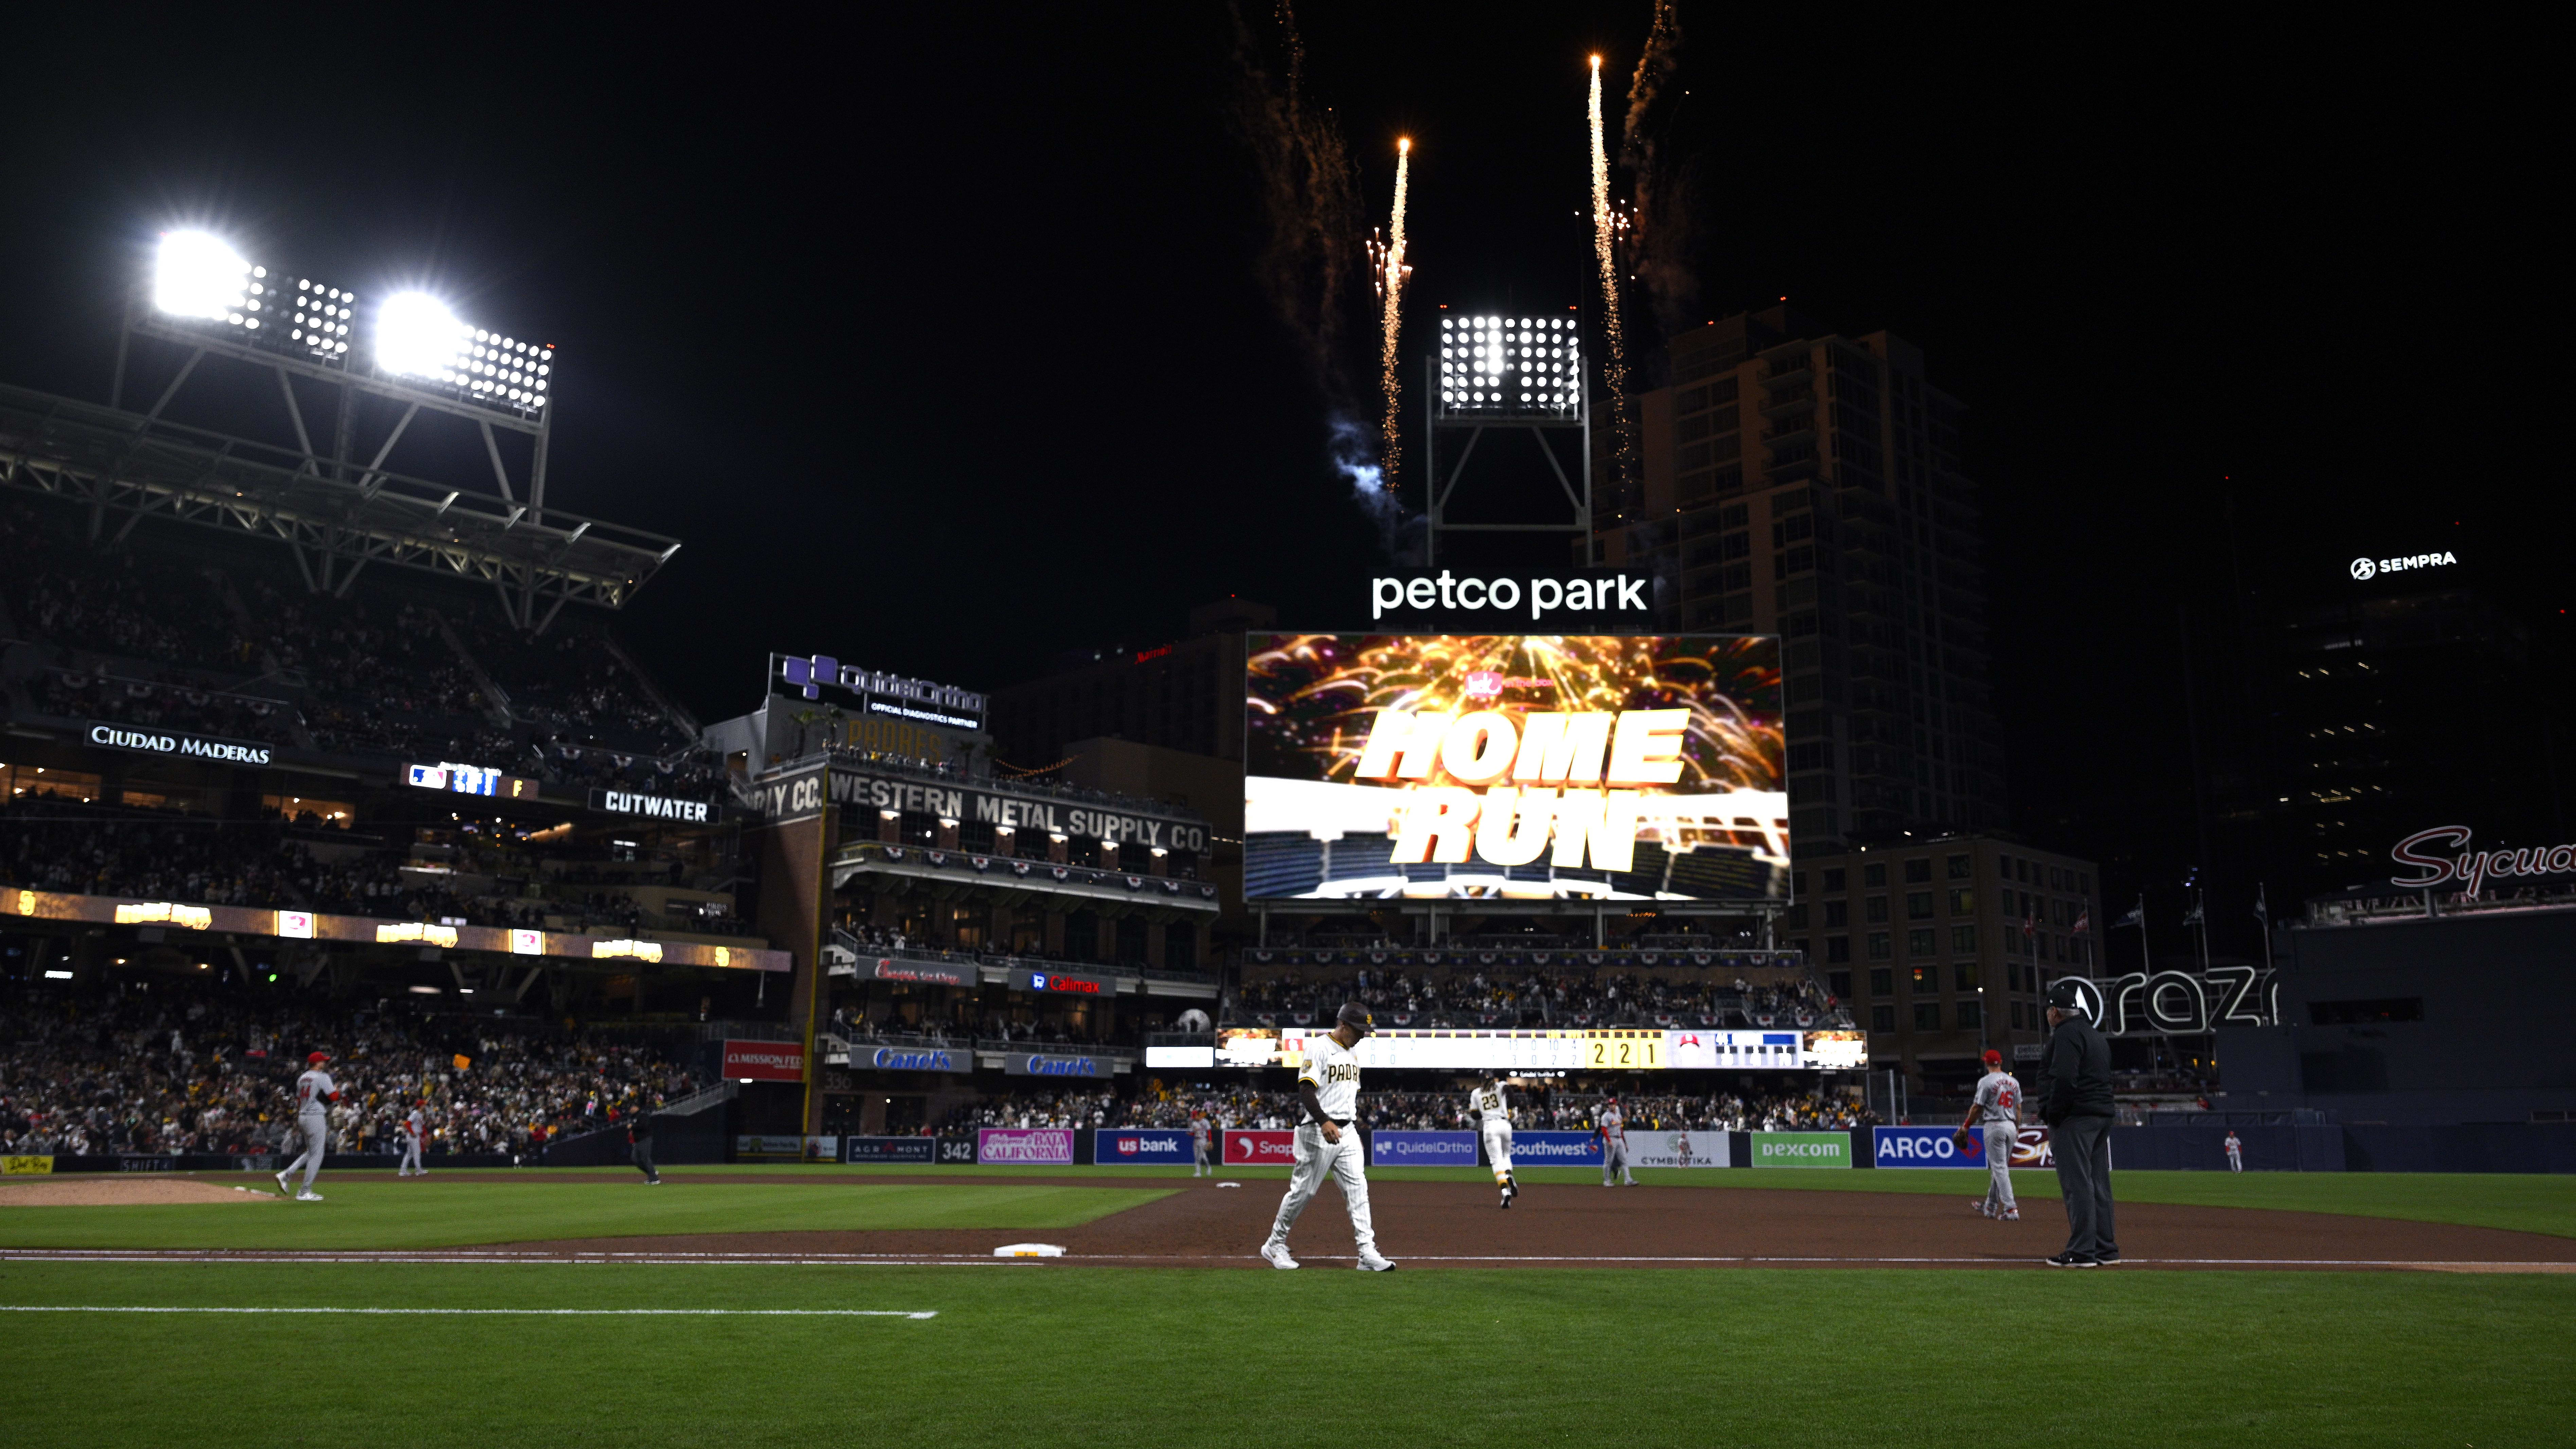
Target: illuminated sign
1639,1049
1604,767
1057,981
155,742
397,931
2471,868
764,1061
627,802
295,925
2365,569
1613,595
1043,1064
524,942
195,918
880,693
469,780
635,950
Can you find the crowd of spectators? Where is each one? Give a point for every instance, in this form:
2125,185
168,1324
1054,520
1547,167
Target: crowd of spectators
163,1068
1537,997
155,704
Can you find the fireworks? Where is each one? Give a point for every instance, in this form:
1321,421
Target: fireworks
1605,229
1391,274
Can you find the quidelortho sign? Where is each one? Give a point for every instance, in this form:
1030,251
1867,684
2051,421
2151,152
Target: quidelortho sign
172,742
881,693
1422,1149
656,807
1802,1149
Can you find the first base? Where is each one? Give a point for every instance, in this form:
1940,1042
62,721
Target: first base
1028,1250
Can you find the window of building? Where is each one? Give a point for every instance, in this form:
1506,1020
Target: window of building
1882,981
1963,939
2021,871
1839,983
1874,873
1971,1014
1837,913
2018,1020
1882,1018
1918,905
1838,948
1960,866
1963,975
1877,909
1927,1016
1734,515
1918,870
1880,946
1834,879
1926,980
1918,942
2012,975
1963,901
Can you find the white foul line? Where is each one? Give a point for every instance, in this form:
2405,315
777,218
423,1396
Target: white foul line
504,1312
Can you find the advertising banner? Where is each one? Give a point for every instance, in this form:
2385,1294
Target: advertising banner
764,1061
1063,983
957,1151
2030,1149
1673,1149
1559,1149
914,1059
1181,1057
1055,1064
1802,1149
1265,1147
1422,1149
26,1166
889,1149
1169,1146
928,973
1544,1049
1039,1146
1510,766
1924,1147
774,1145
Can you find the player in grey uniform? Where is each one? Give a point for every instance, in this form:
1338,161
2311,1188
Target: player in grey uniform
1612,1127
314,1094
1493,1117
415,1127
1200,1133
1997,1114
1327,1144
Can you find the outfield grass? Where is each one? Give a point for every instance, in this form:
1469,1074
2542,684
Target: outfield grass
1051,1355
380,1211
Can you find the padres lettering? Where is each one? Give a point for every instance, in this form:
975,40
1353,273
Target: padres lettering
1342,1072
1556,761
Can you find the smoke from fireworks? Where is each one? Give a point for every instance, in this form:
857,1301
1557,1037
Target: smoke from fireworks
1605,226
1391,274
1653,250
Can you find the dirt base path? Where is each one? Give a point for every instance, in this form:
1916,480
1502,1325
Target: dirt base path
121,1192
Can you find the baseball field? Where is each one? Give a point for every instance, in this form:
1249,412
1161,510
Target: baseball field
740,1305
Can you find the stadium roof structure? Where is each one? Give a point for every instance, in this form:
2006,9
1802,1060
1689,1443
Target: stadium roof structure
336,516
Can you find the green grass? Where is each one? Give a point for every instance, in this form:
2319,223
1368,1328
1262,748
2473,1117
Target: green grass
379,1211
1049,1355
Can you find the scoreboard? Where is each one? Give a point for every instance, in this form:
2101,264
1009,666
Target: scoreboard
1611,1049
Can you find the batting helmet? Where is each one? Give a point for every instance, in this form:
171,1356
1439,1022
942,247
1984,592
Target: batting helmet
1356,1017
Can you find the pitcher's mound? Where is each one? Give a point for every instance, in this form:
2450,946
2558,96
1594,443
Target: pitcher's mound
120,1192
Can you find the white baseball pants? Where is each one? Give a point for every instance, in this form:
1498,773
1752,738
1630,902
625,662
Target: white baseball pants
1614,1160
1199,1164
1498,1148
2000,1137
315,1132
1317,1159
411,1158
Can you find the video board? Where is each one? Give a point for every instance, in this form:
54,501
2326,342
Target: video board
1599,1049
1613,767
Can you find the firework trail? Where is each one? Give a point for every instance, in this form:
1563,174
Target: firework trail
1391,287
1605,227
1654,246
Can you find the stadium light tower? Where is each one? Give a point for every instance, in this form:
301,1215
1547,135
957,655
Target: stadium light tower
1507,373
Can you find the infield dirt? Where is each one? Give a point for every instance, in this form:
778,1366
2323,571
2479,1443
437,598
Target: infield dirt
121,1192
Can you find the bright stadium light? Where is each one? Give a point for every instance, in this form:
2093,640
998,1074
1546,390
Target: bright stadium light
200,275
418,336
1513,364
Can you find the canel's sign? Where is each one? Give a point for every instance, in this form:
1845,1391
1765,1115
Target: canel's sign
2471,868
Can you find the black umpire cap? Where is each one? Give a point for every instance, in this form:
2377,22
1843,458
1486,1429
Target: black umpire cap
1356,1017
2066,994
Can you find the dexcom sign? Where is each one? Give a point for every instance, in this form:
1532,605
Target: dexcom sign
1923,1147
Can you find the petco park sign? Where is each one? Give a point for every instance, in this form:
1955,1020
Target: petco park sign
2468,867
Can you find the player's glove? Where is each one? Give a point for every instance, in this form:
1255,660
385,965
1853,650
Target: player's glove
1964,1140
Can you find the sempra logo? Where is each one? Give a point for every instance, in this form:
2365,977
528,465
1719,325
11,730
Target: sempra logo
2364,568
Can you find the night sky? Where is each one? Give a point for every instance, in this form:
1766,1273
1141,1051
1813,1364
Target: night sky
943,338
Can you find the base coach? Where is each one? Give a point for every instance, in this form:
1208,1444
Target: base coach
2079,1114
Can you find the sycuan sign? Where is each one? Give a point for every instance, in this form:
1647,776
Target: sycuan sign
2470,868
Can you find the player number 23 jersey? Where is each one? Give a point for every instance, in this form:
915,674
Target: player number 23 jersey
1488,1105
1335,1071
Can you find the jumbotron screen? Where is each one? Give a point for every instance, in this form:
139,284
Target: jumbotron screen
1617,1049
1514,766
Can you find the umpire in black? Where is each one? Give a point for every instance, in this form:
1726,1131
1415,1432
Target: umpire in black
2079,1113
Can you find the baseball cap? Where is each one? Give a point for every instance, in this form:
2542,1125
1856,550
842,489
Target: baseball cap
1994,1058
317,1057
1355,1015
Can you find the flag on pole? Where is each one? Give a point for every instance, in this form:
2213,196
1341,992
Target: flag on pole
2137,916
2262,908
2084,921
2192,917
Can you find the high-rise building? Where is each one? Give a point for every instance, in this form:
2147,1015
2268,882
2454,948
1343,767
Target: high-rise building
1802,482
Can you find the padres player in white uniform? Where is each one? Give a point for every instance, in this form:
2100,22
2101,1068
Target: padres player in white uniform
1494,1122
1199,1135
314,1094
1997,1113
415,1127
1612,1126
1327,1144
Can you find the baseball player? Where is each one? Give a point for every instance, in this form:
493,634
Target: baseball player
1996,1113
314,1094
1493,1118
415,1127
639,1139
1611,1126
1200,1136
2235,1152
1328,1087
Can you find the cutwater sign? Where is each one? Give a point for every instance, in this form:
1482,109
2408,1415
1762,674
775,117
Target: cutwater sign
1924,1147
1802,1149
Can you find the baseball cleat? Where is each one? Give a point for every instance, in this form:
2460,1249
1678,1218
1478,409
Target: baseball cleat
2106,1259
1276,1255
2070,1260
308,1197
283,1189
1372,1263
1978,1206
2011,1217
